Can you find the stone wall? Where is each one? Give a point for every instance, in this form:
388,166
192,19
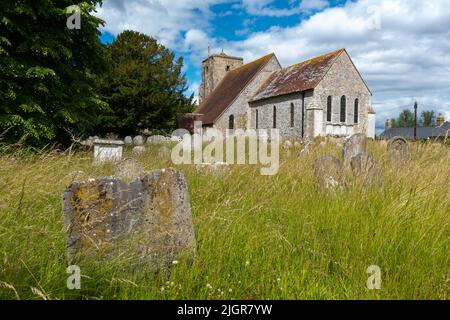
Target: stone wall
240,107
343,79
283,107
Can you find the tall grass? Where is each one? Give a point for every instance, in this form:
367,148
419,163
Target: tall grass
259,237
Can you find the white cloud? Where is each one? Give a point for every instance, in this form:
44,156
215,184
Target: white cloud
406,59
401,47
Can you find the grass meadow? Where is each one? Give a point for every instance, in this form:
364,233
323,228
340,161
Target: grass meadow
259,237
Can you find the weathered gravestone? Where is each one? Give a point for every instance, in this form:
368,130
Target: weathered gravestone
138,141
216,169
158,139
287,146
128,170
329,172
353,146
164,152
139,150
398,150
107,151
148,223
366,170
128,141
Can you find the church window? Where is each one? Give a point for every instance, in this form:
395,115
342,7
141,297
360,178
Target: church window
343,108
227,68
356,111
329,108
257,119
292,115
231,122
274,117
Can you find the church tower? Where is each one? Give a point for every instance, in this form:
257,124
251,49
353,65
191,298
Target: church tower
214,69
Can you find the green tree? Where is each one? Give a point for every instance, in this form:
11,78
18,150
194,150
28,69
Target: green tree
428,119
405,119
144,87
47,71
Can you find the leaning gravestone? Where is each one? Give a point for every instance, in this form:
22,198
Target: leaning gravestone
367,170
329,172
147,223
398,150
353,146
128,170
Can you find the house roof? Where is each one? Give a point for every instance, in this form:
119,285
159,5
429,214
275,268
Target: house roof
297,78
234,82
422,132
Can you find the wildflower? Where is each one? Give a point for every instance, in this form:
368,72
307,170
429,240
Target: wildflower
209,286
162,289
247,263
175,262
230,290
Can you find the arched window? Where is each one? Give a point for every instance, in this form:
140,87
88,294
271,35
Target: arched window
343,108
227,68
274,117
231,122
356,111
329,108
257,119
292,115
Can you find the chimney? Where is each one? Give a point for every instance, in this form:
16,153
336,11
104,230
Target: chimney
388,124
440,120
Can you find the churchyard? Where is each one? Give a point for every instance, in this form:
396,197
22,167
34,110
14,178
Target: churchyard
315,230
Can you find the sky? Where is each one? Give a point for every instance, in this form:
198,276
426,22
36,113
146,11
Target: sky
401,47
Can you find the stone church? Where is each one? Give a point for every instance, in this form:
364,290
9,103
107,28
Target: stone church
323,96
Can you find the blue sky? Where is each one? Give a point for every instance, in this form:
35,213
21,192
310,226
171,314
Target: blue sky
401,47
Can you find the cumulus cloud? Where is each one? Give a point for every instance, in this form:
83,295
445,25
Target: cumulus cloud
401,47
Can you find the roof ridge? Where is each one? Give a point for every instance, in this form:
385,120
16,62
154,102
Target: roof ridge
315,58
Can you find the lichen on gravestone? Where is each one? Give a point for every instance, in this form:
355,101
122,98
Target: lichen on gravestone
148,222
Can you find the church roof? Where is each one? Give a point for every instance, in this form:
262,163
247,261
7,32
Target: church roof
297,78
234,82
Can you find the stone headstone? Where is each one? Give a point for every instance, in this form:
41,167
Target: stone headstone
329,172
217,169
307,145
287,146
128,141
367,170
147,223
398,150
164,152
139,150
107,151
138,141
128,170
353,146
157,140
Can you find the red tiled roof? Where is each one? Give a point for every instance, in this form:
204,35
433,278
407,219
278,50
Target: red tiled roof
229,88
297,78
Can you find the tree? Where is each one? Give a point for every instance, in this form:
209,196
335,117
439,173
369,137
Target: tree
428,119
47,71
144,87
405,119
